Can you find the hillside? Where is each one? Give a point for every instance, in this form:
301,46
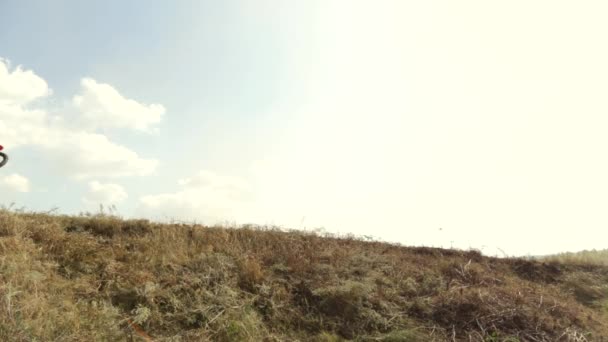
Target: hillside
100,278
584,257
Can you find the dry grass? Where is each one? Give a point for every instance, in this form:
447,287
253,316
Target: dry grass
100,278
593,257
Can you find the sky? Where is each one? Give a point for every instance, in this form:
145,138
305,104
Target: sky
469,124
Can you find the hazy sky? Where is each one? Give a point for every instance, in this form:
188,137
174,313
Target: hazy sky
393,119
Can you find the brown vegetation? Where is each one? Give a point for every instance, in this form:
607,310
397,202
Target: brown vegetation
101,278
593,257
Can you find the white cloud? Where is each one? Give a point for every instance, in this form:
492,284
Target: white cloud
208,179
89,155
78,153
103,106
16,182
206,196
20,126
20,86
105,193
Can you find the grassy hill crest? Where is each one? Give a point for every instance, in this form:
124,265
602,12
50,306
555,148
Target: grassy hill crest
102,278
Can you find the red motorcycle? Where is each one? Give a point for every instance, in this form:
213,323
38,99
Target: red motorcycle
3,156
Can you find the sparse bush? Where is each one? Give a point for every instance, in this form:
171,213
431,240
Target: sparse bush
250,274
